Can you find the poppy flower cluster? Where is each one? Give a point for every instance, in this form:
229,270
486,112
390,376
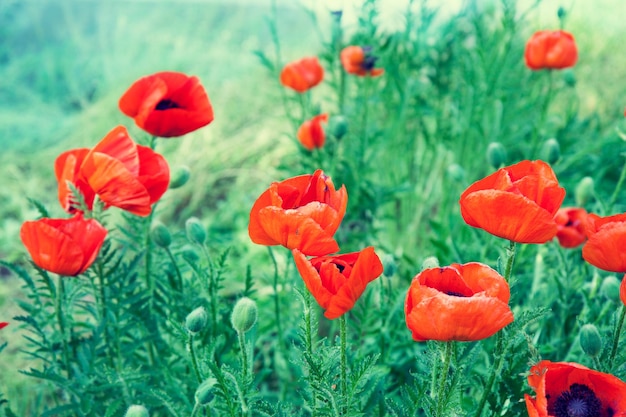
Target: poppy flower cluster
551,49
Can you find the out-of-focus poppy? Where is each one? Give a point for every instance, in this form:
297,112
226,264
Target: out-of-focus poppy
570,226
63,246
606,242
302,75
564,389
551,49
359,60
517,202
67,169
457,302
337,282
301,213
311,133
167,104
3,324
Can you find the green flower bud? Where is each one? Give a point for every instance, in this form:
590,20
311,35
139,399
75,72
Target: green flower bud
584,191
160,235
338,126
244,315
190,255
550,151
610,288
180,176
137,411
496,155
430,262
205,393
196,320
569,77
456,172
195,231
389,265
590,340
561,13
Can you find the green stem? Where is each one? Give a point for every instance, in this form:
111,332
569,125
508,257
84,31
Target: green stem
344,363
194,359
244,358
495,371
616,335
509,262
196,407
103,304
544,111
308,341
443,378
212,290
277,300
60,296
176,268
617,188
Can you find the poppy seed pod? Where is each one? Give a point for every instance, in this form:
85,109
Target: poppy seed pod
584,191
610,288
496,155
195,231
196,320
205,392
160,235
550,151
244,315
590,340
180,176
137,411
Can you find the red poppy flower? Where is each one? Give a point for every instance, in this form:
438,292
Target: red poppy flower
63,246
338,281
3,324
311,133
359,61
551,49
167,104
570,226
517,202
302,75
67,169
607,240
565,389
301,213
457,302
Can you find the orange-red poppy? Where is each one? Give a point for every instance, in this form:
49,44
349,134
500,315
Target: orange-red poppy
67,169
64,246
359,60
565,389
551,49
606,242
337,282
167,104
301,213
517,202
311,133
457,302
302,75
3,324
570,226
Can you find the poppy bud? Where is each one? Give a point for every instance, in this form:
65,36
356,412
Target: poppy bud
244,315
569,77
550,151
561,13
496,155
196,320
389,265
338,126
180,177
590,340
190,255
430,262
584,191
205,394
137,411
160,235
456,172
195,231
610,288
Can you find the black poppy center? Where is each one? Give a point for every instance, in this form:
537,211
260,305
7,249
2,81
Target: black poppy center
166,105
455,294
579,401
369,62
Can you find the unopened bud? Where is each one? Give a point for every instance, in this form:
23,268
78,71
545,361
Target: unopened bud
190,255
195,231
496,155
338,126
180,176
430,262
456,172
610,288
137,411
584,191
205,392
389,265
550,151
590,340
196,320
160,235
569,77
561,13
244,315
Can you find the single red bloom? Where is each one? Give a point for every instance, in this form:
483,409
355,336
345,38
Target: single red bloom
570,226
63,246
549,49
360,61
311,133
457,302
517,202
3,324
301,213
337,282
565,389
607,240
302,75
167,104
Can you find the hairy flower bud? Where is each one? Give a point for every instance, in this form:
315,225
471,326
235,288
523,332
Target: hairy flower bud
180,176
338,126
430,262
389,265
195,231
137,411
205,393
550,151
610,288
160,235
496,155
584,191
190,255
196,320
590,340
244,315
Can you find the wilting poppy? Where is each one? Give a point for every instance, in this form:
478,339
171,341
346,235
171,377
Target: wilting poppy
167,104
549,49
607,240
301,213
64,246
570,226
565,389
311,133
457,302
303,74
517,202
337,282
359,60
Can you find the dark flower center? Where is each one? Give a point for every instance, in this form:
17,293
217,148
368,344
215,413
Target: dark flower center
166,105
369,62
579,401
455,294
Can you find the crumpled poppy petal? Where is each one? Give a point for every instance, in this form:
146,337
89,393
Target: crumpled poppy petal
67,169
118,145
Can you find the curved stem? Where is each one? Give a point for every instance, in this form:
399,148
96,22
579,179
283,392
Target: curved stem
443,379
196,407
616,335
194,359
